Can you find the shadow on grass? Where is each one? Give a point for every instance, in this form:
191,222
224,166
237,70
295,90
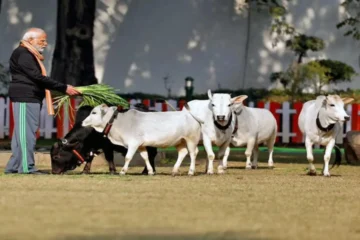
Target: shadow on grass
258,168
207,236
319,175
110,175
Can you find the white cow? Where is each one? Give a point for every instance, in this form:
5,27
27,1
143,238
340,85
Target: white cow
135,130
219,124
321,120
255,126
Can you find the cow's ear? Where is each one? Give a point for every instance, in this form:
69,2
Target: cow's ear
209,94
239,99
103,112
103,109
347,100
104,106
325,101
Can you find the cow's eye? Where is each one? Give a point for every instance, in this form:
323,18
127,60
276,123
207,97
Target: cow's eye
332,105
93,113
213,105
230,105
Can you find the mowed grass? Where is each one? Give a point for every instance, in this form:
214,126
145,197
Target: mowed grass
279,203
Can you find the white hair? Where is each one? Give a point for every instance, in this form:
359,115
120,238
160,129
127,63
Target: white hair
32,33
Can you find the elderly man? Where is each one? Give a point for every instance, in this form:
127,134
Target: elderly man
27,91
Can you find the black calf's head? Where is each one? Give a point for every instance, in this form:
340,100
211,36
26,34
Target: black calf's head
62,153
61,160
68,153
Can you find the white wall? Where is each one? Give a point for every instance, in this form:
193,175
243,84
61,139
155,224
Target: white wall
138,42
18,15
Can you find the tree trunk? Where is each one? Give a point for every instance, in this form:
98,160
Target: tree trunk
247,44
301,55
73,60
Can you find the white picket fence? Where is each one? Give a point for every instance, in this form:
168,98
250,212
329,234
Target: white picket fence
48,123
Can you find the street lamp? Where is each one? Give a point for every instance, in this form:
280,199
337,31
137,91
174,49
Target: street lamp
189,88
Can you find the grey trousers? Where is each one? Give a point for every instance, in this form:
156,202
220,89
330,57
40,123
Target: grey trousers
26,123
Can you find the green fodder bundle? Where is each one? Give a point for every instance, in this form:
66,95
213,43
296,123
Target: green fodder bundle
92,95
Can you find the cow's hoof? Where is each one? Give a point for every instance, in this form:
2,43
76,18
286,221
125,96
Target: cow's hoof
312,173
85,173
271,167
254,166
248,167
221,171
327,174
175,173
210,173
224,167
113,173
151,173
122,173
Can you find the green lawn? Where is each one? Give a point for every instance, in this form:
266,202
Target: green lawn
282,203
47,143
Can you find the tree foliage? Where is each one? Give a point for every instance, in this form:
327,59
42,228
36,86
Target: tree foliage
294,78
301,44
283,77
337,70
352,22
277,11
314,74
319,73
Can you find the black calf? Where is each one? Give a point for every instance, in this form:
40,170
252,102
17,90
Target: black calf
81,143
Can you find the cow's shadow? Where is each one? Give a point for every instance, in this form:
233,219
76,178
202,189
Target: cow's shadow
258,168
319,175
116,174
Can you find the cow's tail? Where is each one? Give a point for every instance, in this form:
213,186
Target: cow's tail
196,118
337,157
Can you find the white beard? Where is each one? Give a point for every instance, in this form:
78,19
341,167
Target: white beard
39,49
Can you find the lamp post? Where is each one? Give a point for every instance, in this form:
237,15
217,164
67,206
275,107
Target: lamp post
189,88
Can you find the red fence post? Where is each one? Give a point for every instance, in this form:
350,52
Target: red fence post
355,121
294,124
72,113
59,123
146,102
261,104
181,104
164,107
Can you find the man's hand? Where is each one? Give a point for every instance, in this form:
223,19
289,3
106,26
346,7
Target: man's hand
70,90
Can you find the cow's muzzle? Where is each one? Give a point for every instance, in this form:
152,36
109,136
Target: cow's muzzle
220,118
